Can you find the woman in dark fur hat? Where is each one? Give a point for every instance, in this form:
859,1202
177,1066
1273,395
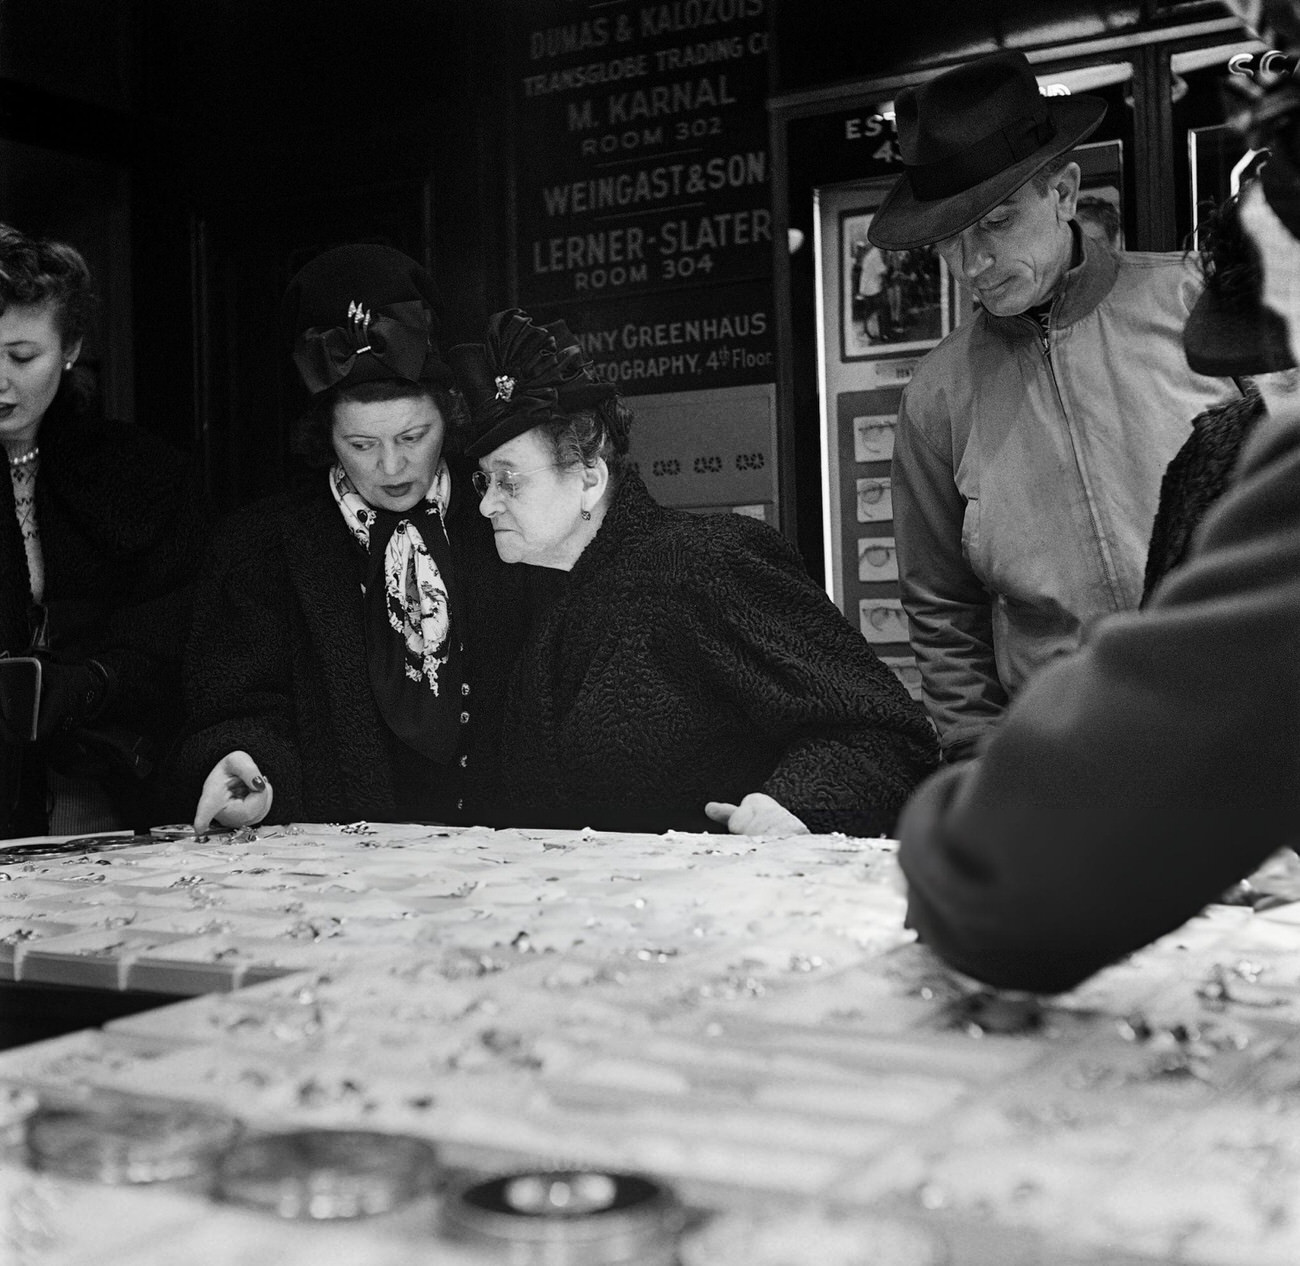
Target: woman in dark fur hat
99,542
682,670
348,635
1230,334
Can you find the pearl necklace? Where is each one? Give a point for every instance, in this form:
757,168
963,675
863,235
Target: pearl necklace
27,458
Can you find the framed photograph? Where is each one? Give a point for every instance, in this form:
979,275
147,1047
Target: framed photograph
882,620
877,559
875,499
892,302
873,436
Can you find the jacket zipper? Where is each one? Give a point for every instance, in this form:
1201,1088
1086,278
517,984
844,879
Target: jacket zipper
1103,549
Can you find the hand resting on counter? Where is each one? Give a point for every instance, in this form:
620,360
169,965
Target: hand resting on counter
756,814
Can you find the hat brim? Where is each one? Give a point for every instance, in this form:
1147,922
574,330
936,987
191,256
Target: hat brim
504,431
1232,342
905,221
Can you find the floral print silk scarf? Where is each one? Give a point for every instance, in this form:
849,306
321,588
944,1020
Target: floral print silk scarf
412,649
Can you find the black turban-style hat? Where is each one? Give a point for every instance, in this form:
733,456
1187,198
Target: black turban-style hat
523,375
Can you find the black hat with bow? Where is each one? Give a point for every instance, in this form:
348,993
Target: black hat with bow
521,376
363,313
1230,332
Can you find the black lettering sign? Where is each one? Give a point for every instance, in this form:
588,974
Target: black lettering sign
642,171
719,336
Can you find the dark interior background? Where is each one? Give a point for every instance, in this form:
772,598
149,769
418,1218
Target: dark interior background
200,150
231,140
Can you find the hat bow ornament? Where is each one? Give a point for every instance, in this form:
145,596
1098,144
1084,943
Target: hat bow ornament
359,321
397,335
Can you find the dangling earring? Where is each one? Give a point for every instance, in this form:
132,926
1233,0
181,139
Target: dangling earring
67,364
586,514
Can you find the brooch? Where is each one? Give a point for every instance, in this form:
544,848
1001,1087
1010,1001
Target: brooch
505,387
359,320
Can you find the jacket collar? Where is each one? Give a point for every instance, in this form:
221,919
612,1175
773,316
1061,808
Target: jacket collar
1085,285
632,513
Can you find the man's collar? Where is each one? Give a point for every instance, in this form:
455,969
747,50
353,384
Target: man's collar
1084,286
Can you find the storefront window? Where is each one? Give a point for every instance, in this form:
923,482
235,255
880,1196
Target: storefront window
1210,156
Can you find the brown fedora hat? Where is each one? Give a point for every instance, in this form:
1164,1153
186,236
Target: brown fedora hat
969,139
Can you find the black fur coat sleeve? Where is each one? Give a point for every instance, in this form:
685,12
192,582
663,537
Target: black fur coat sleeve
123,524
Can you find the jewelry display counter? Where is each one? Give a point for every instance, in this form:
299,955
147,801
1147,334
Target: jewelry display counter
744,1019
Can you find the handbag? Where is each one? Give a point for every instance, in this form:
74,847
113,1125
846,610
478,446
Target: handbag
20,698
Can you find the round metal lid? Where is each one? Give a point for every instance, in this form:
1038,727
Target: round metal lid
123,1143
327,1174
597,1215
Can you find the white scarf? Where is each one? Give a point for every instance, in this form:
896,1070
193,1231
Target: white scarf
416,593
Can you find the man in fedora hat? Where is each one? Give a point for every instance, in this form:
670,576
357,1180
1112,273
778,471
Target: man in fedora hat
1133,782
1030,442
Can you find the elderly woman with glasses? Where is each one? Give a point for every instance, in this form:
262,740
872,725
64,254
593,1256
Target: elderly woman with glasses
351,636
681,671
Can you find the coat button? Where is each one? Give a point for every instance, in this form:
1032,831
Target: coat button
464,760
460,804
464,716
464,687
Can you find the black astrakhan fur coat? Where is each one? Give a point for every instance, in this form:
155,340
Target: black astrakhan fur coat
1196,477
689,658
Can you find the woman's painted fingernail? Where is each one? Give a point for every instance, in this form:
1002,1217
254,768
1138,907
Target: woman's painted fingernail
259,783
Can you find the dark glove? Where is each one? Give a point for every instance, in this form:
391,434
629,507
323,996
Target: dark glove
72,695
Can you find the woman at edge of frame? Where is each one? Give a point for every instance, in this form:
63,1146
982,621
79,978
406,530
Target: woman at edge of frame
351,636
682,671
104,532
